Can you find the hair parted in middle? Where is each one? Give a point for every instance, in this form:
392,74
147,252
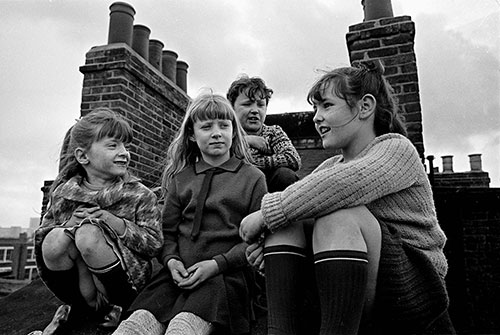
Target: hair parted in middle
183,152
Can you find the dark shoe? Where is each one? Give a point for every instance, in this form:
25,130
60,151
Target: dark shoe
112,319
60,317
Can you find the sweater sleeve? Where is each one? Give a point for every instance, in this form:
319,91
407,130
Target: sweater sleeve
389,164
235,257
283,154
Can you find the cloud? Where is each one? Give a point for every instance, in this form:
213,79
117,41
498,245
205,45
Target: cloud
459,84
284,42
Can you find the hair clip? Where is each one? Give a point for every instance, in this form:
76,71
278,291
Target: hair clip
372,65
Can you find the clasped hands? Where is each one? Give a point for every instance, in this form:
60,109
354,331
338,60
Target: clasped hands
193,276
82,212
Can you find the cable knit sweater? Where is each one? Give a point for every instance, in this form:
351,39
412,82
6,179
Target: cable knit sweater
282,152
387,177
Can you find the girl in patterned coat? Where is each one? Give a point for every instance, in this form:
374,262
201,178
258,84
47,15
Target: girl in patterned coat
102,227
209,187
377,246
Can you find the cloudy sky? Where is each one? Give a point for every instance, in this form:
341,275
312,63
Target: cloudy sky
283,41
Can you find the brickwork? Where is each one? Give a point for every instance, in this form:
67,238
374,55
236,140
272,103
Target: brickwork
473,179
470,218
115,76
392,41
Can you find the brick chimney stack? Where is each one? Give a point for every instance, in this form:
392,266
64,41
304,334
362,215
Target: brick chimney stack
391,40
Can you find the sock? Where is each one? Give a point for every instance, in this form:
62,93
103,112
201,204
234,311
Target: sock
115,280
64,285
141,322
284,267
186,323
341,277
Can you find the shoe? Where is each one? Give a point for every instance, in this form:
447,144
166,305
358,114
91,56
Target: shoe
36,332
60,317
112,319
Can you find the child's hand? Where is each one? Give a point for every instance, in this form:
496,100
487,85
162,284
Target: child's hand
198,273
259,143
79,214
113,221
255,255
251,226
177,270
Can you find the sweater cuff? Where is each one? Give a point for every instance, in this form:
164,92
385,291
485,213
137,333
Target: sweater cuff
221,262
274,217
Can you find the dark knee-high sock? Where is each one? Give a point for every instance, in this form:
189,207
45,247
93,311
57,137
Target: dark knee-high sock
66,287
284,266
115,280
341,276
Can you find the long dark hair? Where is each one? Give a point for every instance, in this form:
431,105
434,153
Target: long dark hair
352,83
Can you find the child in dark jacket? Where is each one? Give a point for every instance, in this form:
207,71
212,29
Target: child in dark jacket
209,187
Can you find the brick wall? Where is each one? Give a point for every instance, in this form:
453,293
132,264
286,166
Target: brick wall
462,179
392,41
470,218
116,76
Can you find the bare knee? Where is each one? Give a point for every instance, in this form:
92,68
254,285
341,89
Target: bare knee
58,250
89,240
293,234
345,229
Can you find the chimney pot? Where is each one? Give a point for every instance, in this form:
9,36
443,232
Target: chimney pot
447,164
140,40
169,64
475,162
121,20
181,75
376,9
155,49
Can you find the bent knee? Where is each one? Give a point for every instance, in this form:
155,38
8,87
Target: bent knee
345,228
88,239
292,234
56,244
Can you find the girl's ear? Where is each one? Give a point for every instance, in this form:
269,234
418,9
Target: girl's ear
367,106
81,156
191,138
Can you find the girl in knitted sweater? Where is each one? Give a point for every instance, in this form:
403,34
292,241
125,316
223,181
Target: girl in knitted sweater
377,245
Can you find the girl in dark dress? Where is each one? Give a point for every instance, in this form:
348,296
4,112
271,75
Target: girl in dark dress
209,187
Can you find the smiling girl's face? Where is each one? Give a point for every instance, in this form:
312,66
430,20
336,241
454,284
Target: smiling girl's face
104,161
335,121
214,139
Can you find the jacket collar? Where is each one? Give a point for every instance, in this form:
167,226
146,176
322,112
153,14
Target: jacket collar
233,164
72,190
